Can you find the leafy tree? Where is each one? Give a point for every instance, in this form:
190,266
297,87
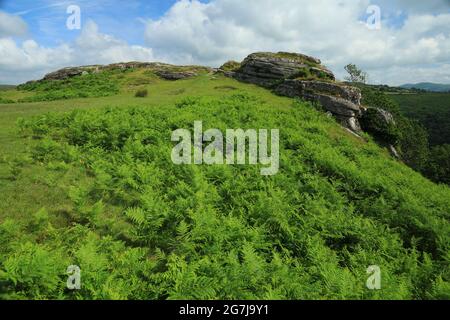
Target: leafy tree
407,135
355,74
413,144
439,166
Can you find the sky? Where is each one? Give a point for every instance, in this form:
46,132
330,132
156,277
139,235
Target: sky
408,42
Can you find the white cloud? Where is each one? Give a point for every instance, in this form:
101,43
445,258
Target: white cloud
414,74
93,47
11,25
29,60
417,49
331,30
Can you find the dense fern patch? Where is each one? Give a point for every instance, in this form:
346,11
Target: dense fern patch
144,228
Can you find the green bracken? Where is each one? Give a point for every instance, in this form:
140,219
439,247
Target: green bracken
97,189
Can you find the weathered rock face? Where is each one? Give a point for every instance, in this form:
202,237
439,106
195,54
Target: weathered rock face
270,69
294,88
342,101
298,75
70,72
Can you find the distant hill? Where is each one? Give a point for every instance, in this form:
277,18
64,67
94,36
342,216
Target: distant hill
6,86
390,90
428,86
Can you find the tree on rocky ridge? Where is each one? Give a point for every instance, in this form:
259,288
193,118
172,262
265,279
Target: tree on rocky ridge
355,74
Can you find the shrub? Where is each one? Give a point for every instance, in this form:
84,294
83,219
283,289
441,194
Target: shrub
91,85
407,135
141,93
6,101
374,123
439,165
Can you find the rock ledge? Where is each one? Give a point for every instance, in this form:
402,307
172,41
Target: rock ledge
299,75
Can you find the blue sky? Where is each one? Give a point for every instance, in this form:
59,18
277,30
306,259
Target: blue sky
46,19
123,19
412,45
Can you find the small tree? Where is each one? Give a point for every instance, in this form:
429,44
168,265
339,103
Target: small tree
355,74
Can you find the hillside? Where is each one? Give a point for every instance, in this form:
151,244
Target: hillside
432,110
86,179
427,86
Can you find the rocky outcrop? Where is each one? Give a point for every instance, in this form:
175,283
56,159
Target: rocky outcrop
70,72
298,75
163,70
270,69
129,65
173,73
316,87
344,102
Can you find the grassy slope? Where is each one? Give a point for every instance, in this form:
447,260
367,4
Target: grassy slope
337,206
19,196
433,112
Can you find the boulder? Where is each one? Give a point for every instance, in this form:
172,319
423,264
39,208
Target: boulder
336,105
175,75
64,74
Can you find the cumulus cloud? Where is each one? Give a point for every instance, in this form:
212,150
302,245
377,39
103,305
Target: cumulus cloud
11,25
415,48
332,30
94,47
29,60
